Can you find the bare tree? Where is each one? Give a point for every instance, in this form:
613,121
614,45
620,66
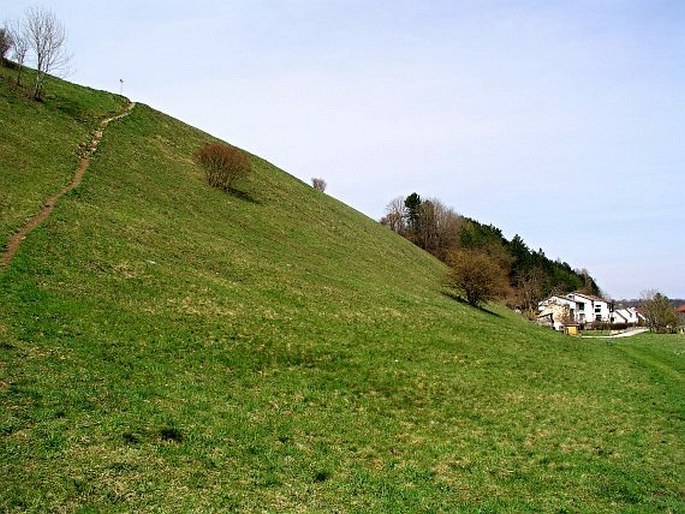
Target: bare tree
20,47
439,228
46,37
5,43
394,217
319,184
659,311
530,289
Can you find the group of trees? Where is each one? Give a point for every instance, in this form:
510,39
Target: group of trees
40,36
426,223
484,264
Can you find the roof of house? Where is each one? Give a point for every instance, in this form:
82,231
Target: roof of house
681,308
590,297
559,299
622,314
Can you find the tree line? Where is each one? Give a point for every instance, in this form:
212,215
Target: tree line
484,264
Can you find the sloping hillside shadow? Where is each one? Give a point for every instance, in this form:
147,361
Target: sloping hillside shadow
454,296
244,195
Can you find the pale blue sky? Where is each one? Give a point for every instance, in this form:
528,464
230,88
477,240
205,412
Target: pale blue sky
561,121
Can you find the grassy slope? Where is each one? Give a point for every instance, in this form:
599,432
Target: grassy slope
166,347
39,143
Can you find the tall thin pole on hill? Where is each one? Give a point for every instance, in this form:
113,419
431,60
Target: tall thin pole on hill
121,87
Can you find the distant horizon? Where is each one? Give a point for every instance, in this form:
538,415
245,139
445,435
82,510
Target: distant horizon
557,122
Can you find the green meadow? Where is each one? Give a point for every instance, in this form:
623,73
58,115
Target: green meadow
168,347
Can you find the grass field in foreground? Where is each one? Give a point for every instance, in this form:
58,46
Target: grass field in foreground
165,347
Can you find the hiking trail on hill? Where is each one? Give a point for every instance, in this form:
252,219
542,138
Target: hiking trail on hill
86,153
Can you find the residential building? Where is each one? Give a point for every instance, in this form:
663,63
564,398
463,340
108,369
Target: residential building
628,316
558,311
590,308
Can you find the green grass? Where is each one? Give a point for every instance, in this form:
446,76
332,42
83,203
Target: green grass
39,142
165,347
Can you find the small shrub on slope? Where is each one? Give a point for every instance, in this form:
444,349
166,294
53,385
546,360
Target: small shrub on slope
319,184
224,165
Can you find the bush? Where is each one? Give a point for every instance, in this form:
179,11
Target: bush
600,325
319,184
478,276
224,165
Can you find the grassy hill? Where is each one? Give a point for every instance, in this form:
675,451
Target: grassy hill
39,143
166,347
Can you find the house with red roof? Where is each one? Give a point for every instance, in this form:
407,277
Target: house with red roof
681,312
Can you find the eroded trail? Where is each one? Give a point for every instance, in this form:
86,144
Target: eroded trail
15,241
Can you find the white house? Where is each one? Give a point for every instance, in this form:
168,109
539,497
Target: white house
627,315
590,308
557,310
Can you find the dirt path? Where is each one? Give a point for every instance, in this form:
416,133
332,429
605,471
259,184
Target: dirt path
16,240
